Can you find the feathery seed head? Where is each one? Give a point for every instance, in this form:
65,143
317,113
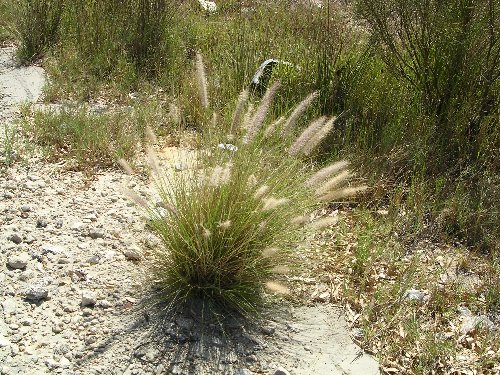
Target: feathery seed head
270,252
225,224
324,222
277,288
306,135
259,116
261,191
238,112
271,203
332,183
136,198
299,220
326,172
152,161
252,181
202,81
125,166
150,135
271,128
297,112
313,142
342,193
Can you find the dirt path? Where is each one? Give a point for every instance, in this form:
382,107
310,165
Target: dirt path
70,281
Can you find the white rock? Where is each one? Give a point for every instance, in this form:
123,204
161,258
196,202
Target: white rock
9,306
19,261
4,342
209,6
470,324
89,298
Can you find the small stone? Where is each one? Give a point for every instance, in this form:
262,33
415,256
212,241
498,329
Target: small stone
4,342
96,233
64,362
16,238
89,298
52,249
41,222
280,371
133,253
9,306
179,167
8,195
25,208
243,371
27,321
268,330
464,311
94,259
37,291
19,261
29,239
105,304
416,295
471,323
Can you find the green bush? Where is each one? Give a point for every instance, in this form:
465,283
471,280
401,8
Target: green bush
38,27
448,54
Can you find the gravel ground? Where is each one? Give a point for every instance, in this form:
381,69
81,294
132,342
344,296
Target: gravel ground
71,278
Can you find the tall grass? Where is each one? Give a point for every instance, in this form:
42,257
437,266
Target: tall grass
417,83
227,222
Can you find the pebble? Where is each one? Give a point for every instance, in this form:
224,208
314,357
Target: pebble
26,208
243,371
96,233
42,222
9,306
19,261
471,323
16,238
416,295
280,371
37,291
133,253
89,298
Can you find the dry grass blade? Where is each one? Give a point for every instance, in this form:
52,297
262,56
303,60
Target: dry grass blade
261,112
202,81
326,172
306,135
298,111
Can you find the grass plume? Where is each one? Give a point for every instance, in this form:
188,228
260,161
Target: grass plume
297,112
